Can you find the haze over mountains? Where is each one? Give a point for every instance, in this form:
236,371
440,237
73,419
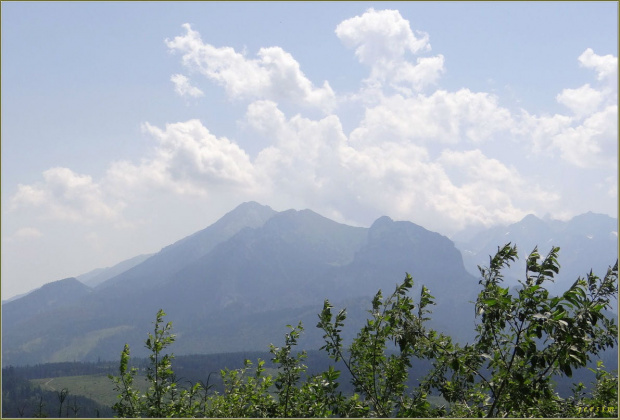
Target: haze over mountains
235,285
587,242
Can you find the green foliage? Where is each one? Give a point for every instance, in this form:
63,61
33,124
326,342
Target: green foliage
602,402
163,398
525,338
129,397
291,393
379,377
245,395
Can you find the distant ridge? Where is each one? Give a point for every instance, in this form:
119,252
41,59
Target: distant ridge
61,293
236,284
175,256
587,241
100,275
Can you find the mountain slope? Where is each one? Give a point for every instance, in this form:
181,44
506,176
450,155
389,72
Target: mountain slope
284,263
66,292
176,256
95,277
395,247
588,241
236,284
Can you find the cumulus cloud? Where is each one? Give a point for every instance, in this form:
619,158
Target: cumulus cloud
274,75
489,189
431,157
587,100
581,101
66,195
315,162
605,66
592,143
305,157
444,117
383,40
447,193
587,138
183,87
187,159
192,154
380,36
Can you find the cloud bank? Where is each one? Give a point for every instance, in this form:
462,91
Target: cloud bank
440,158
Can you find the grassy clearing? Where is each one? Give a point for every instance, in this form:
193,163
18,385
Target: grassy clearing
81,346
96,387
101,389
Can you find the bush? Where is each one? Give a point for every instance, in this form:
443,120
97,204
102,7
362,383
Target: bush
524,339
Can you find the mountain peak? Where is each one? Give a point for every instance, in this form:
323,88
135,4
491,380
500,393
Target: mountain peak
529,222
249,213
251,206
69,281
588,222
175,256
592,216
531,218
49,296
381,222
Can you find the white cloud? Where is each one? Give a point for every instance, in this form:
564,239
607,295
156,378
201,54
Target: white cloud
193,155
66,195
380,36
606,66
539,130
426,72
187,159
382,40
275,75
588,100
611,182
588,138
581,101
183,87
444,117
589,143
474,166
313,164
426,157
488,191
29,195
592,143
305,156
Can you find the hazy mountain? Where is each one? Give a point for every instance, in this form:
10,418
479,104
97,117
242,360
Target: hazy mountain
286,263
235,285
99,275
21,295
175,257
64,293
588,241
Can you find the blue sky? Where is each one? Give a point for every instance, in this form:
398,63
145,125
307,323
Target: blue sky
127,126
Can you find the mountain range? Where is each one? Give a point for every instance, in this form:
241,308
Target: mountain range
587,242
235,285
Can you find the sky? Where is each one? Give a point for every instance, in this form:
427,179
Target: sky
127,126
